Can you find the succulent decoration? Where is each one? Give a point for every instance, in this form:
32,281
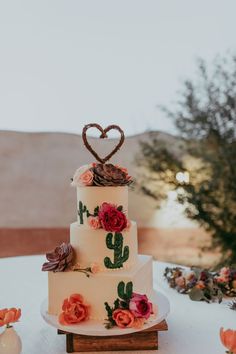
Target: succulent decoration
110,175
129,309
104,175
202,284
60,259
121,255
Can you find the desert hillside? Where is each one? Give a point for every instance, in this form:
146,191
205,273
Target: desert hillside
35,177
37,203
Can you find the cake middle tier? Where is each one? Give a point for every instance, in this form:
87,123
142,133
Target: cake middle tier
110,250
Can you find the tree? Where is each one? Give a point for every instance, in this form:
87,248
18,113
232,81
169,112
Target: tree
205,116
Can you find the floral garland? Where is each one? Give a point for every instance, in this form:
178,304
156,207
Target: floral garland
202,284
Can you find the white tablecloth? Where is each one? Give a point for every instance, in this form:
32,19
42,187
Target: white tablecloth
193,326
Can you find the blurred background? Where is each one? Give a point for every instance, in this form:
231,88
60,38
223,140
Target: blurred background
166,73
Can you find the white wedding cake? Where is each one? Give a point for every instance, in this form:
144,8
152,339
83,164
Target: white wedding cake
99,274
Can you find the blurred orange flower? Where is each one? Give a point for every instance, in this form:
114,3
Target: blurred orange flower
200,285
228,339
8,316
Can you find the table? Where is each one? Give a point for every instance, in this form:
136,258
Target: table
193,326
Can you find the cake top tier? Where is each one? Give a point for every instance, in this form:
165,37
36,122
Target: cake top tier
101,175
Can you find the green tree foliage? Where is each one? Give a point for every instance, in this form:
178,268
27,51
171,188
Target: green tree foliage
205,116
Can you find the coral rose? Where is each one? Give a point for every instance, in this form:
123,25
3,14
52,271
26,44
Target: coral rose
83,177
111,218
8,316
140,306
123,318
228,339
74,310
94,222
138,322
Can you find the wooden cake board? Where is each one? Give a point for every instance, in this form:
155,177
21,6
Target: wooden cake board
143,340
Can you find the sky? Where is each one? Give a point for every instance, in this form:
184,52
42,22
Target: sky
66,63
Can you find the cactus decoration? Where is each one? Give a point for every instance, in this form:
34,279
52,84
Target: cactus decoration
82,209
125,293
121,254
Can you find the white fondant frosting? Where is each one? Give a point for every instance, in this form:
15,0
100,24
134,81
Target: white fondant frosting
90,245
92,197
98,288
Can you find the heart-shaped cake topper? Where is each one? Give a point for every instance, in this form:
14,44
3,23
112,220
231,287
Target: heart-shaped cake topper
102,136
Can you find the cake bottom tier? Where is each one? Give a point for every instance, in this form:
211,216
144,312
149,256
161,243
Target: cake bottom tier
98,288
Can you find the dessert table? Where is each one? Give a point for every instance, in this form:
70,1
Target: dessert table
193,326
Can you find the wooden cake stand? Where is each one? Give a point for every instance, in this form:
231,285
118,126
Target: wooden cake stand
143,340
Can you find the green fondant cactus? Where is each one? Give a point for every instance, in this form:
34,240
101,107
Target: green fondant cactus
82,209
120,255
125,291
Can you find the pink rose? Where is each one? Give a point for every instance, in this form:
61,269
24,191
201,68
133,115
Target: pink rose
123,318
128,226
222,279
111,218
225,271
140,306
86,179
180,282
95,268
83,177
94,222
224,275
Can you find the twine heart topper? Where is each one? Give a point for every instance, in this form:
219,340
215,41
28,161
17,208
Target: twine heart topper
103,136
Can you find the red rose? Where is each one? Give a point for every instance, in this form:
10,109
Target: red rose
111,218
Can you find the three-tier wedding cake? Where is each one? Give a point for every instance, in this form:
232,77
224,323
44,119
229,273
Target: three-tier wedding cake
99,274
